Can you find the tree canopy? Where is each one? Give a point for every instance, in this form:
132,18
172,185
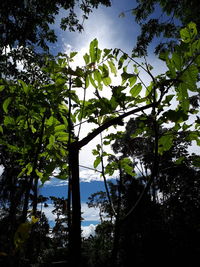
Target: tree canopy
163,20
28,22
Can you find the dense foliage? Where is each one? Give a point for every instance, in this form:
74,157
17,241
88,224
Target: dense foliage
26,31
28,22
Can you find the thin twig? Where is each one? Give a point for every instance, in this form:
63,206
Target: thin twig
104,178
89,168
139,65
82,110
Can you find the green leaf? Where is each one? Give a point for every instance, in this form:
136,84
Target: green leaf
33,130
126,164
196,161
176,116
135,90
165,143
179,160
189,78
97,77
22,234
87,81
6,103
107,81
73,54
93,82
2,87
182,96
148,93
177,60
21,173
132,80
39,174
125,76
8,120
1,129
112,67
29,168
121,60
97,162
77,82
60,133
106,52
111,168
98,51
164,55
25,87
95,152
63,138
59,128
105,71
93,50
195,47
50,121
50,168
51,141
86,57
168,98
194,136
188,33
60,81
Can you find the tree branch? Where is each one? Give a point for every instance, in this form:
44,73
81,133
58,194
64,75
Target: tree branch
109,123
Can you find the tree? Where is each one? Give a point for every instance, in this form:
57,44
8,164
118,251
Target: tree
174,195
26,32
160,223
60,229
173,15
25,140
99,200
26,23
60,107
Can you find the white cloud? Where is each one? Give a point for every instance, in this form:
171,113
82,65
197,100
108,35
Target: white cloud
194,148
1,169
88,230
87,175
54,182
105,32
48,212
89,214
19,63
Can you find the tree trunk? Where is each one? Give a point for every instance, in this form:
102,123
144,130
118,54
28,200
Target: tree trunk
26,199
75,235
116,239
35,196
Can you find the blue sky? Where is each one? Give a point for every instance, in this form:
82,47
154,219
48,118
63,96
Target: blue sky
105,25
59,189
